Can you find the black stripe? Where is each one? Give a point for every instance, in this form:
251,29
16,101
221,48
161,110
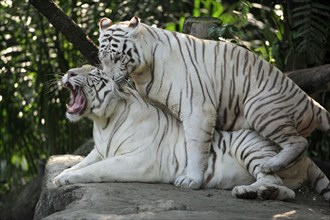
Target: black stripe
232,89
168,40
252,159
311,120
158,127
128,137
216,50
247,90
259,69
168,95
183,58
210,97
224,146
152,75
240,142
191,95
237,62
214,158
257,96
225,62
180,104
300,116
262,79
197,73
161,81
120,121
246,61
151,32
267,123
325,190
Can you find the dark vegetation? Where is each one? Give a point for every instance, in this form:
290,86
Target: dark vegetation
35,54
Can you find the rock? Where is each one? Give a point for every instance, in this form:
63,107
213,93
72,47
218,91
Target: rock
21,202
160,201
85,148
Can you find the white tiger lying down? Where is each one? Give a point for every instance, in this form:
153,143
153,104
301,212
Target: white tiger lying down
136,141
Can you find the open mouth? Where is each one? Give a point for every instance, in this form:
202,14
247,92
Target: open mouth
78,102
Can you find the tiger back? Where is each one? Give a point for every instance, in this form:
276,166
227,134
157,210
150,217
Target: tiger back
211,85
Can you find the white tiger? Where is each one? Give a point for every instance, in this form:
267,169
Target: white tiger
137,141
211,85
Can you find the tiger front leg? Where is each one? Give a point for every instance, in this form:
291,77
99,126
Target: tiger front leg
133,168
198,129
91,158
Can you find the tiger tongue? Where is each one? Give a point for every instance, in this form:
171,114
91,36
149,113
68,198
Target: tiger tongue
77,105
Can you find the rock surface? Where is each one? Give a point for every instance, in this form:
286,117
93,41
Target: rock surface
21,202
160,201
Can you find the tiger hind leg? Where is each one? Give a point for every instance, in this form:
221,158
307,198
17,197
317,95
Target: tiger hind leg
293,148
277,124
250,156
281,130
267,187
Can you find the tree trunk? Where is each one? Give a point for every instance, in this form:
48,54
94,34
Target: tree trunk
312,80
199,26
69,28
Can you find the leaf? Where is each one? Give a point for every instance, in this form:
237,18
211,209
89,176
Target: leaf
322,7
304,8
302,1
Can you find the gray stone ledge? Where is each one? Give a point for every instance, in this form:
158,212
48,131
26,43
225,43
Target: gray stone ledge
160,201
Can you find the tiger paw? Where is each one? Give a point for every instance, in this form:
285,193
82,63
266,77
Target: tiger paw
244,192
275,192
65,178
187,182
60,180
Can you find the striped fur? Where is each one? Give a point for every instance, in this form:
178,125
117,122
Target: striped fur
137,141
209,86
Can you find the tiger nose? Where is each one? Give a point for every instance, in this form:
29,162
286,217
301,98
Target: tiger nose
71,74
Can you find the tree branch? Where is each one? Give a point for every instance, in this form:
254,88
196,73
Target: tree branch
69,28
312,80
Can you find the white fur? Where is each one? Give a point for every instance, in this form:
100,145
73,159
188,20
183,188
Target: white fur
136,141
209,84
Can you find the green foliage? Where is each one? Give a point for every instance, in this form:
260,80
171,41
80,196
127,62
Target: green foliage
225,31
261,31
310,29
319,146
33,126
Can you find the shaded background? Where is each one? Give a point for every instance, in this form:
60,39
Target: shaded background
34,56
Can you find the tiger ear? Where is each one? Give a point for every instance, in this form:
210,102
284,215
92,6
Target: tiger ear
134,22
104,23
